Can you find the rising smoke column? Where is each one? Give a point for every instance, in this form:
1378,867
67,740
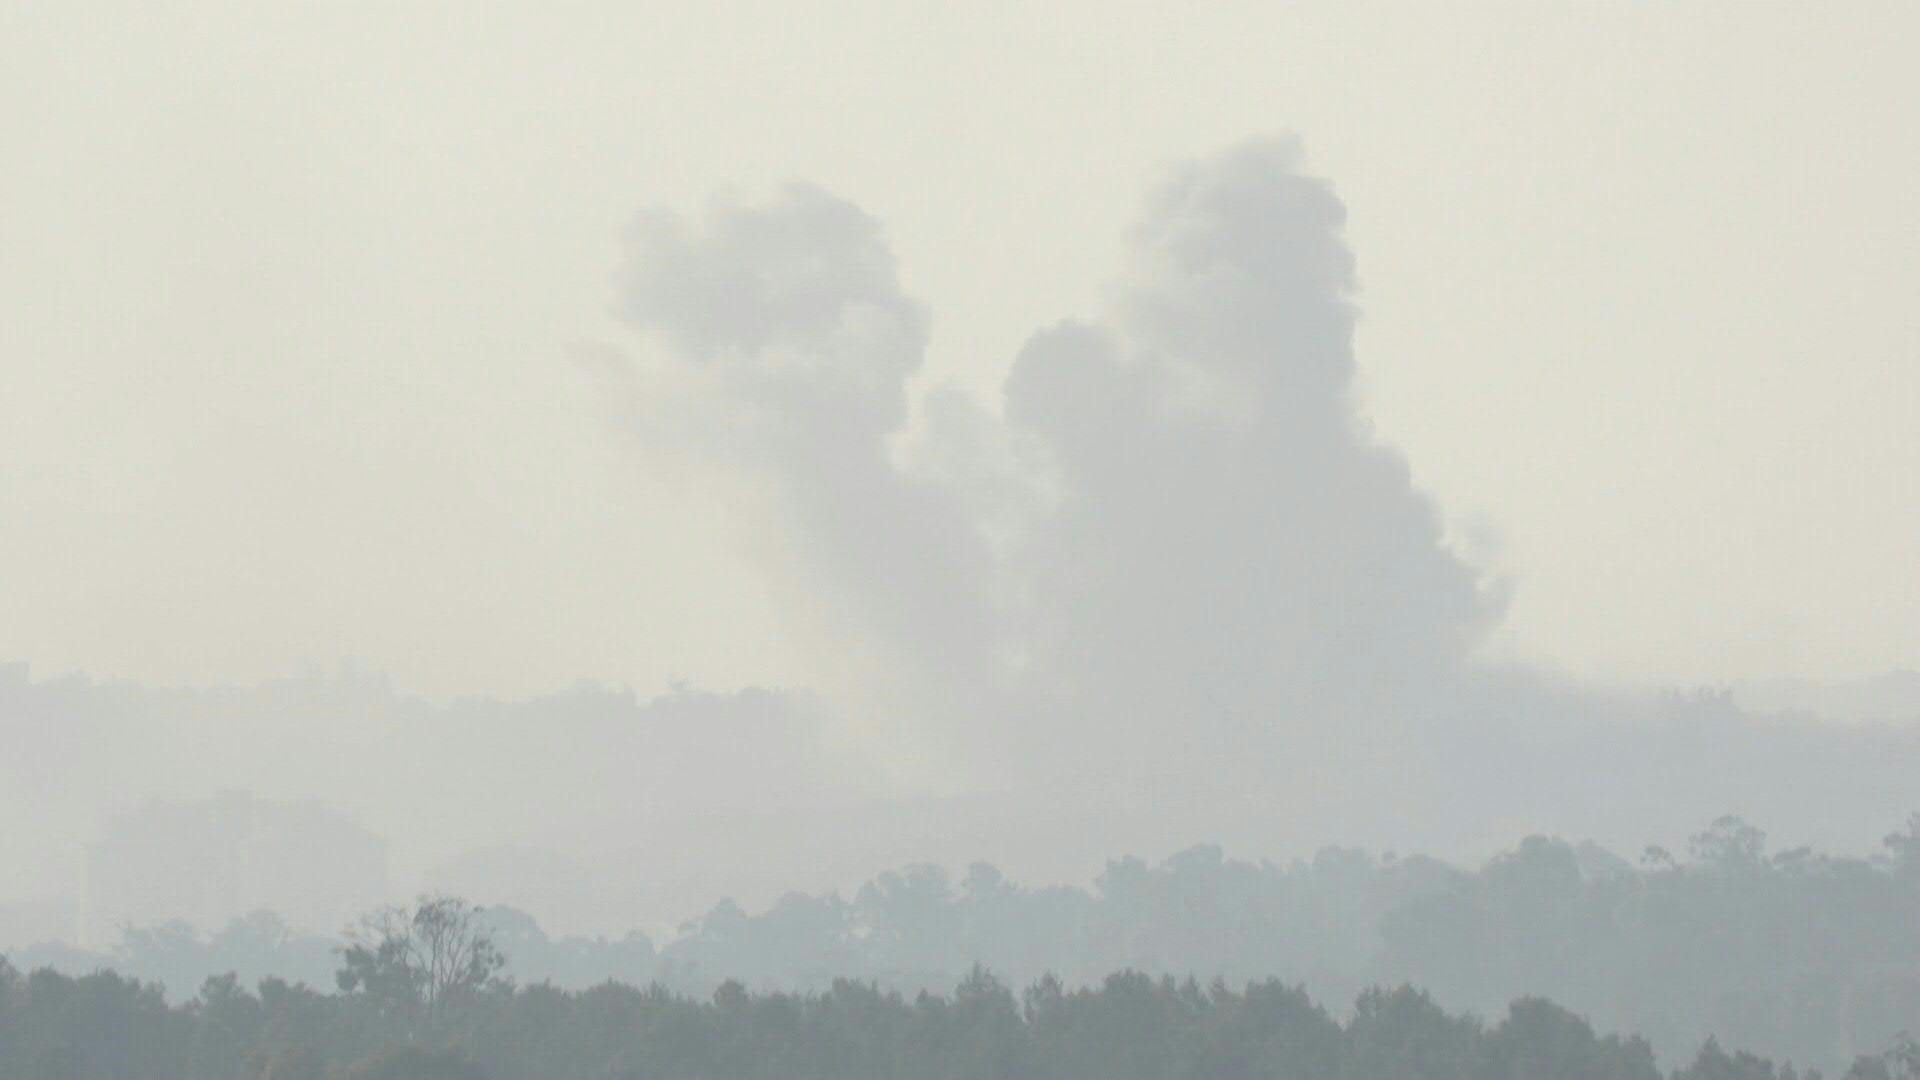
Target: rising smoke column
791,345
1186,556
1234,566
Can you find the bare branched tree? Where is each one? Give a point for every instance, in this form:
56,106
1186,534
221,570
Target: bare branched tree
426,957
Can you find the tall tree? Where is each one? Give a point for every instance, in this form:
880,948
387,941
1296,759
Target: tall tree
421,959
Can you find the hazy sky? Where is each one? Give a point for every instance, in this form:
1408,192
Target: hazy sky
301,305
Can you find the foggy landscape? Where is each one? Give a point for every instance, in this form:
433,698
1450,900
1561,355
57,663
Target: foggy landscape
891,542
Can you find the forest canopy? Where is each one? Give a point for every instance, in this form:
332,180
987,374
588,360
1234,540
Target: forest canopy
1792,956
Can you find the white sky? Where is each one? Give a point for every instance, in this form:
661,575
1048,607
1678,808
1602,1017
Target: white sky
288,295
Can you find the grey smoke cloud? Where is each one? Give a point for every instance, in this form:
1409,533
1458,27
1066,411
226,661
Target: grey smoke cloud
800,346
1228,527
1172,551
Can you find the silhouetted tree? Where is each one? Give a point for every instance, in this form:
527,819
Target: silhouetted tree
421,959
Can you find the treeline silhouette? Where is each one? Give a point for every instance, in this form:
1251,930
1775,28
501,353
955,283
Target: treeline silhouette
1792,955
105,1027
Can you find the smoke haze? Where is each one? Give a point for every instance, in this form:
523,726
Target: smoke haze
1168,586
746,457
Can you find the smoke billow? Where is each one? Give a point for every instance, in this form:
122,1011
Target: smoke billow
1171,552
796,346
1227,532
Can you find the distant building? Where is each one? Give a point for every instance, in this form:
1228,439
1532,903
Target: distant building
209,862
